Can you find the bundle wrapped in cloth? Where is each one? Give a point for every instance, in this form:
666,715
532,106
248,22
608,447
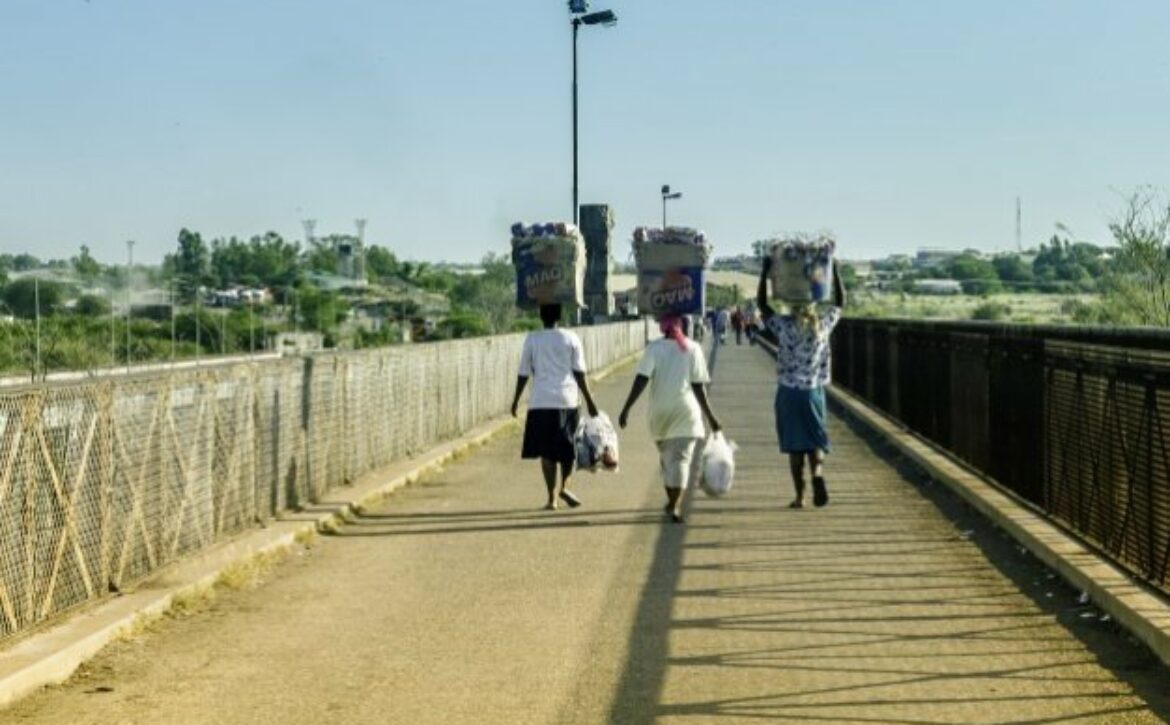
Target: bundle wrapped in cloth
672,266
802,267
550,264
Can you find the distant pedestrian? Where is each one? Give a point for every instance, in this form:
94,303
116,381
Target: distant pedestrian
737,324
555,360
722,322
750,321
676,371
803,364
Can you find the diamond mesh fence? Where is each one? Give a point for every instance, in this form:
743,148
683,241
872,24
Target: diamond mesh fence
102,482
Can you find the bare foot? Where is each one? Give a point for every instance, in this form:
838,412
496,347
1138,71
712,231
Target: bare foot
550,506
796,504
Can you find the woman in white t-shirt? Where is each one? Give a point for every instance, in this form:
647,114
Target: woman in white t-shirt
804,366
676,371
555,360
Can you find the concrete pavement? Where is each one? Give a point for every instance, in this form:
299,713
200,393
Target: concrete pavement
457,600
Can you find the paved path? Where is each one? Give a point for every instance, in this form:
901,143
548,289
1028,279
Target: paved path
457,601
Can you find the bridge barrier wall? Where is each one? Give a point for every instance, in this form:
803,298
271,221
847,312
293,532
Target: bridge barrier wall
1073,420
104,481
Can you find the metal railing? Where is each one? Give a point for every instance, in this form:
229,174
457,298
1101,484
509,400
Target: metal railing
103,481
1075,421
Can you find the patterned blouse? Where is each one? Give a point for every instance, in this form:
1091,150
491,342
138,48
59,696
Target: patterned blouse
804,359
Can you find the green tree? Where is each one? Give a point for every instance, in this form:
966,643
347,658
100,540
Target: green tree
92,306
977,275
23,295
492,295
190,265
1137,291
381,264
848,275
321,256
24,262
86,267
1013,271
266,260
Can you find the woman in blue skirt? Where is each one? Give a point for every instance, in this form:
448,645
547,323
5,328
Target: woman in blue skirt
804,367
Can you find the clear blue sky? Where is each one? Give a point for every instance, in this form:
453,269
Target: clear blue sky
894,123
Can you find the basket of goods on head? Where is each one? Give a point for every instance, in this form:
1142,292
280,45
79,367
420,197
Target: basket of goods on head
672,265
802,268
550,264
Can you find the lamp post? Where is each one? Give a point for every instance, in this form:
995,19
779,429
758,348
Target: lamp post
602,17
129,292
667,194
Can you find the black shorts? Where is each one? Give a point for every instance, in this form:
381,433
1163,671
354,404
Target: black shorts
549,433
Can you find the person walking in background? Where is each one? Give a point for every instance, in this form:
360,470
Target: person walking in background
737,324
555,360
722,322
804,367
749,324
676,371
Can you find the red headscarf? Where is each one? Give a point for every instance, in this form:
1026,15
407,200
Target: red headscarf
671,326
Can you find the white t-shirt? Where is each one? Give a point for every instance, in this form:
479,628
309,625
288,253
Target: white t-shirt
674,410
550,357
804,360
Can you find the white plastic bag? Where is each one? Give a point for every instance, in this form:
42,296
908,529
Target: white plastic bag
718,466
597,444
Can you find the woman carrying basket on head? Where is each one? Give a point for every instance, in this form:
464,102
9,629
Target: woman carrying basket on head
555,360
804,366
676,371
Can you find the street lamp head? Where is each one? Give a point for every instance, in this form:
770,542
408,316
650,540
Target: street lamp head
577,7
675,195
601,17
665,189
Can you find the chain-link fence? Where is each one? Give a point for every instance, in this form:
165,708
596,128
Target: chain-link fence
104,481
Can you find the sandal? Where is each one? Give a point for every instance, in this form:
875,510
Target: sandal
570,499
820,493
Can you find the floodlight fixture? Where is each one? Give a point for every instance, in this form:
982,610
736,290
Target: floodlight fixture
601,17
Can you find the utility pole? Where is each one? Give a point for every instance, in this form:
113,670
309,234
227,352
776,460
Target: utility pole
37,315
1019,227
129,271
361,250
172,295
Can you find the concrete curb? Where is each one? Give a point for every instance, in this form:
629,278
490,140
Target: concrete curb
1133,605
53,655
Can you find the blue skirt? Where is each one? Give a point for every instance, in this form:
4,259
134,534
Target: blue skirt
801,421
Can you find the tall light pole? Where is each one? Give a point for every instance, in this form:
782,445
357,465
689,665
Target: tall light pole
601,17
667,194
129,271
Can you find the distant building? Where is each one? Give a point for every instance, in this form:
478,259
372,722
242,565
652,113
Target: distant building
938,286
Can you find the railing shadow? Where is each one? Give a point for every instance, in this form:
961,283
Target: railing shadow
998,644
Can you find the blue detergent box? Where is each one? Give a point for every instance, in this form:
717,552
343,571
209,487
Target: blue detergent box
672,278
672,290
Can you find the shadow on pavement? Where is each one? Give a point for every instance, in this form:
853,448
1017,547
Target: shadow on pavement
868,643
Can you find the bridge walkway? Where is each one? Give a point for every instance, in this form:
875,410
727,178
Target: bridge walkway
458,600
